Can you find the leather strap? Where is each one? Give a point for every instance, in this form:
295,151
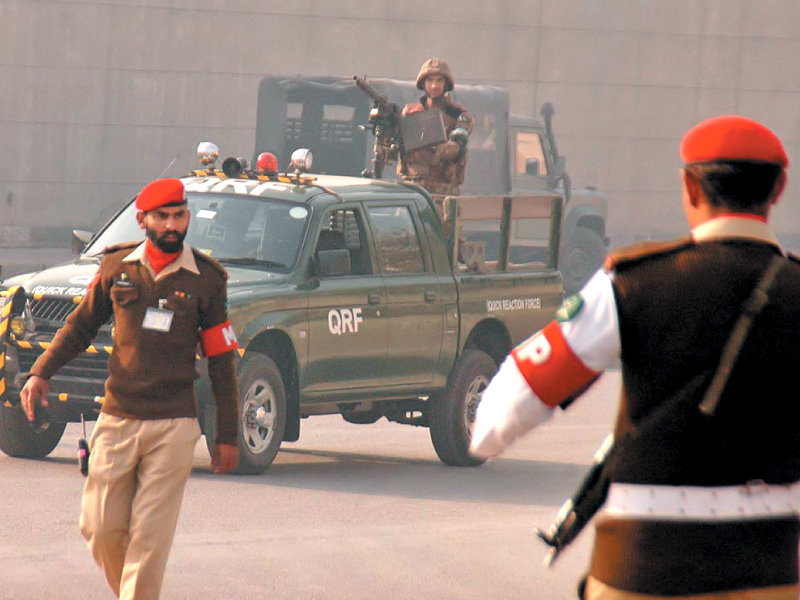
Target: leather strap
752,308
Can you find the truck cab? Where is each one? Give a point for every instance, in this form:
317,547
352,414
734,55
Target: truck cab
536,166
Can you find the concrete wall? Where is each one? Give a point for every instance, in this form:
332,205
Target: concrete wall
98,96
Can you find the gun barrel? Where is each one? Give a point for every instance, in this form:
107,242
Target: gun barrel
369,90
385,124
576,512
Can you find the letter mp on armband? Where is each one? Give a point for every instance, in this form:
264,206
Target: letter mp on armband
218,339
550,366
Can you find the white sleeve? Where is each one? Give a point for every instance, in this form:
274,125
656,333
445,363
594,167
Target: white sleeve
593,333
509,408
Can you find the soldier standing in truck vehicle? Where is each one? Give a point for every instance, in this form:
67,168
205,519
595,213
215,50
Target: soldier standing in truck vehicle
440,168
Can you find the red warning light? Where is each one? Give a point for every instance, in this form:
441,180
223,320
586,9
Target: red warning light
267,164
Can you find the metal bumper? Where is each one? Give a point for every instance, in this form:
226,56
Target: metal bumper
72,393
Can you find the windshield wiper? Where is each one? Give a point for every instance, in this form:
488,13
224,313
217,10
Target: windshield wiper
251,262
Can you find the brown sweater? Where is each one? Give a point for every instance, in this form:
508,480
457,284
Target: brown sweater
676,309
151,372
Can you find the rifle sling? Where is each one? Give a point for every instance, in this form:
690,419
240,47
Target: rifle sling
750,310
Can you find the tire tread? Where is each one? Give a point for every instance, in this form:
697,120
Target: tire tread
448,434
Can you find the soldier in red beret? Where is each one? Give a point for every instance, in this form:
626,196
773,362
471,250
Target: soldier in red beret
165,297
702,480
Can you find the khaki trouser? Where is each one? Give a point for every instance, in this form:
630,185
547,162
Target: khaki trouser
597,590
137,474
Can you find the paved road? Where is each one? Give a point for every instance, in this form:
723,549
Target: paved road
348,512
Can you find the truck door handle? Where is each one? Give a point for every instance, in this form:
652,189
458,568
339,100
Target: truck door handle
430,296
374,298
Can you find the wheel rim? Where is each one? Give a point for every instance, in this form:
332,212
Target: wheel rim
473,399
259,413
578,263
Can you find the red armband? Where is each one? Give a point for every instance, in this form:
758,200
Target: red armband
218,339
95,280
550,366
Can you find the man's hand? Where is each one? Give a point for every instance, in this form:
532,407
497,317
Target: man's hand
446,153
34,392
225,458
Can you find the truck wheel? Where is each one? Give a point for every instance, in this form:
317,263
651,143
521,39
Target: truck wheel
18,438
581,255
453,411
262,414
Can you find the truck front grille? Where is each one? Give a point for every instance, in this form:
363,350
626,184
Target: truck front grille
50,313
85,366
51,309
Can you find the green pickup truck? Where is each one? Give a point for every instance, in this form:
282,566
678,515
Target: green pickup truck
347,296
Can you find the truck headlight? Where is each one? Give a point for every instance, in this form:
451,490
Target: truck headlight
19,325
301,160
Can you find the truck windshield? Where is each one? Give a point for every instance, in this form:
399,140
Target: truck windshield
258,232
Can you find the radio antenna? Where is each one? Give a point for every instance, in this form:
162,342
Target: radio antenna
167,167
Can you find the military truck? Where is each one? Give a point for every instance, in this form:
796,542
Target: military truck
508,154
346,295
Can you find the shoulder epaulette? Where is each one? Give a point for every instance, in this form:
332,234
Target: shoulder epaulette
118,247
642,250
210,261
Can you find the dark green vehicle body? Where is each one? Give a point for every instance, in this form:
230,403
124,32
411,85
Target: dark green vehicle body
373,328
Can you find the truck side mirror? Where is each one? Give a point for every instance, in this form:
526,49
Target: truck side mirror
532,166
333,263
80,238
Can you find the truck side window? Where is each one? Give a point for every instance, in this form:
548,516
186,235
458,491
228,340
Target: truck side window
529,149
343,229
399,250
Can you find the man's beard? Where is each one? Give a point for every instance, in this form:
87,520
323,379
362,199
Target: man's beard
171,245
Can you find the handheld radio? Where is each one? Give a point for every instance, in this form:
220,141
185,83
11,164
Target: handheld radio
83,451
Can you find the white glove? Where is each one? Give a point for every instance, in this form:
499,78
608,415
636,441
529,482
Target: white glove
508,410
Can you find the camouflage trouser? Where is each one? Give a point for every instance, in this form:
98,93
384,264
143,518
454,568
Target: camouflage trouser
443,207
442,188
435,186
441,192
444,211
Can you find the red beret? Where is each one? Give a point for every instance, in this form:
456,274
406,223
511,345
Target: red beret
731,137
160,193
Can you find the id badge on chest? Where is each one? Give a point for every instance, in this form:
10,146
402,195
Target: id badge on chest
157,319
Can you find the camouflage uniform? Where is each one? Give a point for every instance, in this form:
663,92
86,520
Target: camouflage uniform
439,169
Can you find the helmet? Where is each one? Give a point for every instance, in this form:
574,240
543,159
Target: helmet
434,66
